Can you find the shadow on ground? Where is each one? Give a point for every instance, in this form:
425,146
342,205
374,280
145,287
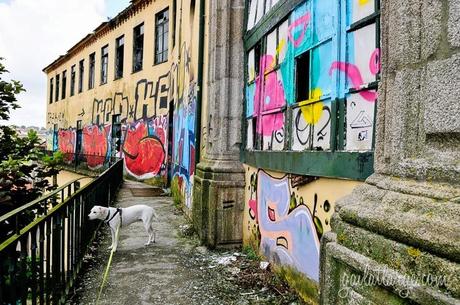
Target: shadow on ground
174,270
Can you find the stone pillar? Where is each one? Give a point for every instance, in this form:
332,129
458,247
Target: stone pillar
396,238
219,179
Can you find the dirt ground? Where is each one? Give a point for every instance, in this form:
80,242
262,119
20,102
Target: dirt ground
174,270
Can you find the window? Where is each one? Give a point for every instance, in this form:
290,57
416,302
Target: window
92,62
51,91
138,47
81,71
72,80
161,36
57,87
174,7
64,83
104,63
119,54
301,93
303,77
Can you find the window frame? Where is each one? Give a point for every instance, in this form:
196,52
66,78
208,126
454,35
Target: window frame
51,90
64,85
81,74
138,39
58,83
119,57
72,79
334,162
161,56
91,70
104,64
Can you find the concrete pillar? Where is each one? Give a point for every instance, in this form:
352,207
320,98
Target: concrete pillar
219,179
396,239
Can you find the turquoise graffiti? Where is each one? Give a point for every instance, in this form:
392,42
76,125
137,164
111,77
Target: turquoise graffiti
321,55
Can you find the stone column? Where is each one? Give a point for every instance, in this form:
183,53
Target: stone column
396,238
219,179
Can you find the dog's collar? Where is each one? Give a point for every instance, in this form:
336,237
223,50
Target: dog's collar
107,220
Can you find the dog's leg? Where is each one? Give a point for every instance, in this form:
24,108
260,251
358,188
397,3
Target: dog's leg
154,232
112,231
148,229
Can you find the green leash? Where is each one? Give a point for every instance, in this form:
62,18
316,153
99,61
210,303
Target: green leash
106,273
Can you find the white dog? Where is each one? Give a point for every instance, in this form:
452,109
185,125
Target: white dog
113,216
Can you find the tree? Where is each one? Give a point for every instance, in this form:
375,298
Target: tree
24,168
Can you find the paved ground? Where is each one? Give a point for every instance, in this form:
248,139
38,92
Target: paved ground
175,270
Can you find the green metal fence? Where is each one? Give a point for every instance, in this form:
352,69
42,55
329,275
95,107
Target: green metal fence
40,258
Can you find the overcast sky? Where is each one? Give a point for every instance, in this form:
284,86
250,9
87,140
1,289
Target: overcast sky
33,33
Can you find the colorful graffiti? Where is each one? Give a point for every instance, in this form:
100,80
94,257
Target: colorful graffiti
184,138
66,143
95,145
144,149
143,121
288,214
150,97
287,236
301,69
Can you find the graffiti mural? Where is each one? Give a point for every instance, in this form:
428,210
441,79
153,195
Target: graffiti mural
308,66
95,145
143,123
184,136
144,148
66,143
288,236
288,214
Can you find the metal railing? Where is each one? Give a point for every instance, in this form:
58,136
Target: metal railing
40,260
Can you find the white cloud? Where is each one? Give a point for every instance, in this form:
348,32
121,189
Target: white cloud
33,33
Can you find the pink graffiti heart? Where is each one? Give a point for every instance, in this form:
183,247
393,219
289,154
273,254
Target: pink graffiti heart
304,20
353,73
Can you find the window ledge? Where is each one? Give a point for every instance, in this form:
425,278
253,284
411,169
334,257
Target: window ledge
338,164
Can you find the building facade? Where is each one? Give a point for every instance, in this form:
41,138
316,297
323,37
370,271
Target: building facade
259,114
129,89
311,76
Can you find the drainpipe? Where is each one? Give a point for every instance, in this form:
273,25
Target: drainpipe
199,97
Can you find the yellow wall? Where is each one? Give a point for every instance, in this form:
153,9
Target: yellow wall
66,112
285,216
175,82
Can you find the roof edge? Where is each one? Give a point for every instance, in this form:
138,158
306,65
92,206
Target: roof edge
100,30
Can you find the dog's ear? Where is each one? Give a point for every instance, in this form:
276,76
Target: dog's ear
100,208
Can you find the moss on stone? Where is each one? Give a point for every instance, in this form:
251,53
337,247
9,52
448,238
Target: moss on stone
156,181
414,252
176,193
307,289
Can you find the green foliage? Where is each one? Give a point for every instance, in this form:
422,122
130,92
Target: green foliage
8,92
176,192
24,168
251,253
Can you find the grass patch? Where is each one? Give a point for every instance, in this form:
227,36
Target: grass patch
251,253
